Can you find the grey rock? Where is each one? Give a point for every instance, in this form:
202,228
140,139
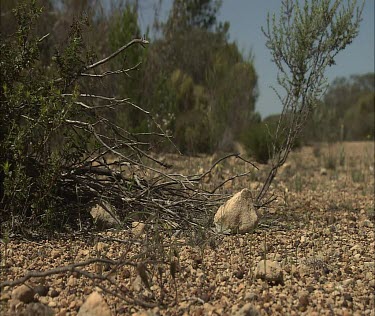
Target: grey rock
41,290
38,309
247,310
54,293
105,216
23,293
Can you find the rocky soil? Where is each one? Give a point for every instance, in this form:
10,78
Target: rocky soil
312,254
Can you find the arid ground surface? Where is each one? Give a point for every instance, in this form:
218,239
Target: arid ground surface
320,229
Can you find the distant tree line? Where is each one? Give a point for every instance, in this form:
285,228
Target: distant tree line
197,84
347,111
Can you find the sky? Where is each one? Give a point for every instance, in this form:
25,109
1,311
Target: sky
246,17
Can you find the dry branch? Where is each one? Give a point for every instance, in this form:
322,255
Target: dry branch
140,41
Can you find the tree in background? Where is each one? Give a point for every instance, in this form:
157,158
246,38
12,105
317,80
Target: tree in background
232,84
200,84
123,27
347,111
192,78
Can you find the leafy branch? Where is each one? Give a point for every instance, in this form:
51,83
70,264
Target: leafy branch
304,40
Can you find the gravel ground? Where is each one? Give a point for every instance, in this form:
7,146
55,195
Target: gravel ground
320,231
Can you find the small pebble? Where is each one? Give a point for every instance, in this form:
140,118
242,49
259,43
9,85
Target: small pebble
54,293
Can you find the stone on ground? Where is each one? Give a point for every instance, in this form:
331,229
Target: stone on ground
41,290
23,293
38,309
149,312
138,228
106,217
269,271
237,215
247,310
94,305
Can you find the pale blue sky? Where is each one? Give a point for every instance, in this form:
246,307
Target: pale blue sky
246,18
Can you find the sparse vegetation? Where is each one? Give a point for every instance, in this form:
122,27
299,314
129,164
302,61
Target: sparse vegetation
346,112
81,126
330,160
257,141
308,237
358,176
304,41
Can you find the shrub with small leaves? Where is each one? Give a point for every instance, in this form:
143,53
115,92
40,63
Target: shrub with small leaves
36,142
257,141
304,41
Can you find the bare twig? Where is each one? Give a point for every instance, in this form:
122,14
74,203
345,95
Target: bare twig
69,268
110,73
141,41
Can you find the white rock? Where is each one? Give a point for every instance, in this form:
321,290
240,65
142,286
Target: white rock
94,305
357,257
150,312
270,271
137,284
369,276
44,300
101,247
355,247
71,281
237,215
52,304
250,296
369,264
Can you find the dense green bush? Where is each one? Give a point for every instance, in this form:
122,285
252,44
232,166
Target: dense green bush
38,145
257,141
123,27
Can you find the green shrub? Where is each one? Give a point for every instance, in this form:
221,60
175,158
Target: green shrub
37,144
257,141
192,132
